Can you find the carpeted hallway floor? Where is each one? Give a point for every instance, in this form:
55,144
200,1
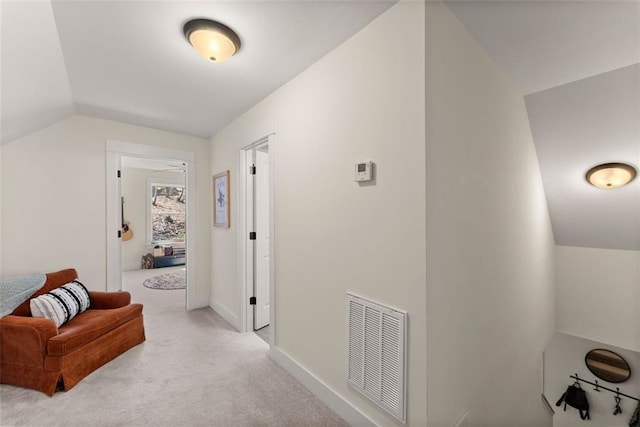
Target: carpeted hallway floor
194,369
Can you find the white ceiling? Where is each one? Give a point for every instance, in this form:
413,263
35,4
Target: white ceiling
575,62
129,61
580,125
34,88
546,43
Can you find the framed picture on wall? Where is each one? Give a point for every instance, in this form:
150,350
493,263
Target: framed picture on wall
221,201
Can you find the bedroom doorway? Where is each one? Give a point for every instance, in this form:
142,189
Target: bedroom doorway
173,193
154,228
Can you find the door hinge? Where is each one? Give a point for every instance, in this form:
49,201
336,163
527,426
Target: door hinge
252,301
252,170
252,235
119,234
119,174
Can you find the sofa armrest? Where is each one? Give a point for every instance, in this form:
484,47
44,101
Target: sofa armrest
108,300
23,340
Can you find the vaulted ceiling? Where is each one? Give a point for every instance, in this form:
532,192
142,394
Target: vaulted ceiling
129,61
576,62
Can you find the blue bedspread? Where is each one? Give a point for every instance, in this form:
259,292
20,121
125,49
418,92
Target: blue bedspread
16,290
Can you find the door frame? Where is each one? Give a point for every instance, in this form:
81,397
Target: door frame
115,150
245,249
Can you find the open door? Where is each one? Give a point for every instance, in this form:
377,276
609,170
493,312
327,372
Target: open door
261,244
115,151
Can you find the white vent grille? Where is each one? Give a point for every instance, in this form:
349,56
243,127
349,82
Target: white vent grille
376,359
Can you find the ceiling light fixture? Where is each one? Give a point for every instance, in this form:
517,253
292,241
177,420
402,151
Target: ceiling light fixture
611,175
212,40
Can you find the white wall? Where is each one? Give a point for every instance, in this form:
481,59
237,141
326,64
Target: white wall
363,101
564,357
53,198
490,297
598,295
1,222
134,191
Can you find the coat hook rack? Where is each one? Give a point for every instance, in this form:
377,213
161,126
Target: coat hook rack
617,391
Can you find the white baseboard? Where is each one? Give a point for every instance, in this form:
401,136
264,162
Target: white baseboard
332,399
225,313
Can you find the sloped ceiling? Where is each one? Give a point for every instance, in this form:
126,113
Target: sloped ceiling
577,64
545,44
129,61
567,124
34,86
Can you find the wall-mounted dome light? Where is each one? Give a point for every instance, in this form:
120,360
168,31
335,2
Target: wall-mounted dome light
611,175
212,40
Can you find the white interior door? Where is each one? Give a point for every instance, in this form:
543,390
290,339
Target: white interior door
262,256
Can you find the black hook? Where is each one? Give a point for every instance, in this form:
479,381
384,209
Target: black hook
597,389
577,382
617,410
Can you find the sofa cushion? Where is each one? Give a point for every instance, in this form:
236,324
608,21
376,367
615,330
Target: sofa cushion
54,280
88,326
62,304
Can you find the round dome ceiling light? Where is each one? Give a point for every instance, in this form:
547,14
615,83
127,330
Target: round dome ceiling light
212,40
611,175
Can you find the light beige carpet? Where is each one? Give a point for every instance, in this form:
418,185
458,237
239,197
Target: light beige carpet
193,370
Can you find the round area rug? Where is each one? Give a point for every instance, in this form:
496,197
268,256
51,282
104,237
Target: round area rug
173,280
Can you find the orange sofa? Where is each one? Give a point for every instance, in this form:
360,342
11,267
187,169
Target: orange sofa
34,353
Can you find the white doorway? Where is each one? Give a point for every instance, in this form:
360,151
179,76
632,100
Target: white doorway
154,230
116,151
257,223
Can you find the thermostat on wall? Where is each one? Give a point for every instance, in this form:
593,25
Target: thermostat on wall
364,171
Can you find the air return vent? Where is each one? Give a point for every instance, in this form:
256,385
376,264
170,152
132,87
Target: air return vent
376,359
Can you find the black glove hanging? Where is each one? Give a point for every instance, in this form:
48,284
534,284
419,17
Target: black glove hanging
576,397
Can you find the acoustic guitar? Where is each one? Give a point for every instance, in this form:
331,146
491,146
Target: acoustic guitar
127,232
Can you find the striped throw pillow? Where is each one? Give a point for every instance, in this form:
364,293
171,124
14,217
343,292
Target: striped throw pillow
61,304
